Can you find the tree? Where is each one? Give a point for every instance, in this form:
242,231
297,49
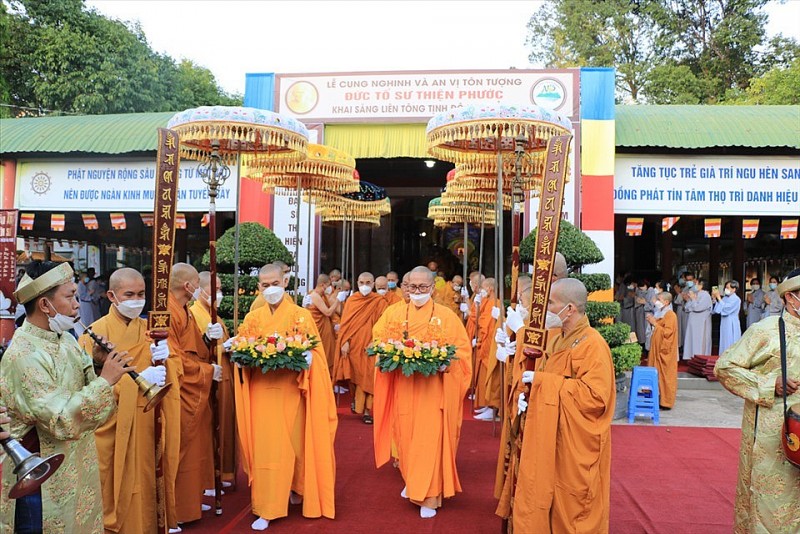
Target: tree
66,58
665,51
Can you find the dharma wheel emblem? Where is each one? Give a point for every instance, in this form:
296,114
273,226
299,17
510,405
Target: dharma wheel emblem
40,183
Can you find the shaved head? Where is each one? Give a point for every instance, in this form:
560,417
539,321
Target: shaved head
559,267
417,271
489,285
392,276
366,276
271,269
122,277
323,280
381,283
284,267
205,281
336,273
569,291
182,273
524,291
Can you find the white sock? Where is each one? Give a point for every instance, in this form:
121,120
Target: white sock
403,493
175,530
212,492
260,524
205,507
295,498
426,513
226,485
481,410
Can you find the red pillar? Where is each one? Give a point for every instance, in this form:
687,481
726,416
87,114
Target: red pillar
9,183
254,204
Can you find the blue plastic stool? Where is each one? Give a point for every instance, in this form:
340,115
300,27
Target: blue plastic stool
643,398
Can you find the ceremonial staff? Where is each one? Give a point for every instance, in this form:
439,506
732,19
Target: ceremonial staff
534,335
214,172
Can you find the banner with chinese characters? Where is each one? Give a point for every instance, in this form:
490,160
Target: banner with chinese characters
634,226
8,258
789,228
550,202
749,228
713,228
164,226
668,222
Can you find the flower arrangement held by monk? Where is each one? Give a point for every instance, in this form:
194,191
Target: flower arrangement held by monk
424,356
275,351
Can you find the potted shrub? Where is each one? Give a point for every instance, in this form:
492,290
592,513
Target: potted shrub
579,250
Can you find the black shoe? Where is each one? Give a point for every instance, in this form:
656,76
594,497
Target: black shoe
367,419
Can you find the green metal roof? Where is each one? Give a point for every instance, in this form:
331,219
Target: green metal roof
678,127
100,134
693,127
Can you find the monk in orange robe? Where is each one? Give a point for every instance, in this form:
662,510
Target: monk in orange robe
423,414
361,311
564,466
393,283
196,464
201,311
286,273
322,311
664,349
286,420
126,441
451,294
382,289
488,310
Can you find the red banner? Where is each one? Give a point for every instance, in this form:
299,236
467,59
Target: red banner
8,253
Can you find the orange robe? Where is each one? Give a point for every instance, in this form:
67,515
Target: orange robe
125,442
664,357
564,476
422,414
225,400
393,296
327,335
287,424
486,332
449,297
359,315
196,464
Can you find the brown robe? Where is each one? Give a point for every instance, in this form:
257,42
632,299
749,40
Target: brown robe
664,357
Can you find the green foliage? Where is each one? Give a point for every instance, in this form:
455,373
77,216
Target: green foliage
615,334
597,311
87,63
247,284
578,248
258,246
676,52
225,309
781,85
593,282
626,357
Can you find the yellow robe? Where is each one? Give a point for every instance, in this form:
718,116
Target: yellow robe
565,463
126,442
486,332
196,463
422,414
327,335
449,297
225,398
287,424
664,357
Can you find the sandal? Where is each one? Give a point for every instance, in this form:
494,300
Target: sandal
353,407
367,419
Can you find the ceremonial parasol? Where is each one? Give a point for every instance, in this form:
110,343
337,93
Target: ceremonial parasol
326,169
217,136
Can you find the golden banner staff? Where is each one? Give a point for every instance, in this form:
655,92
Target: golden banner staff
167,443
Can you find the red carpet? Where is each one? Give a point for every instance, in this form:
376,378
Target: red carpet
664,480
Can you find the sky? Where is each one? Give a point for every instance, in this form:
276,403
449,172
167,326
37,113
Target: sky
235,37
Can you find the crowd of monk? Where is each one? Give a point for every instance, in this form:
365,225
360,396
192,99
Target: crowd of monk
280,426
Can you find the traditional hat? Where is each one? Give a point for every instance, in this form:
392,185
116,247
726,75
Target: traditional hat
789,285
29,288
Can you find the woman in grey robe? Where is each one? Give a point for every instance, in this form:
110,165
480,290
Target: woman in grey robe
626,313
755,303
640,302
698,307
772,299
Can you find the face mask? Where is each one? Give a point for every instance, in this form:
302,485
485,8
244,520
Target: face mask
392,285
681,282
419,299
197,293
728,292
85,279
553,320
365,290
484,294
381,291
286,278
60,323
659,304
273,294
631,286
773,286
130,308
795,308
755,288
329,290
456,287
690,284
218,301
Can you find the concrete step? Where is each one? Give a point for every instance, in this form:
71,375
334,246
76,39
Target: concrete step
690,381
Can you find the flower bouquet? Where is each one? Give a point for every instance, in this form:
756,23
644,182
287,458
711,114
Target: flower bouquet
412,356
272,352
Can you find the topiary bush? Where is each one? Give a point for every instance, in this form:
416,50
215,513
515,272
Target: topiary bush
594,281
626,357
258,246
615,334
598,312
578,248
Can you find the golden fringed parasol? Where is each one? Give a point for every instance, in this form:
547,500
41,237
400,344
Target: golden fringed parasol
325,169
465,195
451,214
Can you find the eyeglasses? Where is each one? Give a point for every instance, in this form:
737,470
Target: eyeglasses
421,288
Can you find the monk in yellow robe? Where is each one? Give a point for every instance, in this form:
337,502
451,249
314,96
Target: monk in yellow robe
486,319
564,475
125,442
196,463
423,414
286,420
451,294
361,312
382,289
201,312
664,349
322,311
393,283
286,274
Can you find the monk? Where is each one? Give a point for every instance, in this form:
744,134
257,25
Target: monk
382,289
564,475
196,463
451,294
201,311
393,283
439,283
286,273
286,420
322,311
404,288
361,312
125,442
423,413
664,349
488,310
